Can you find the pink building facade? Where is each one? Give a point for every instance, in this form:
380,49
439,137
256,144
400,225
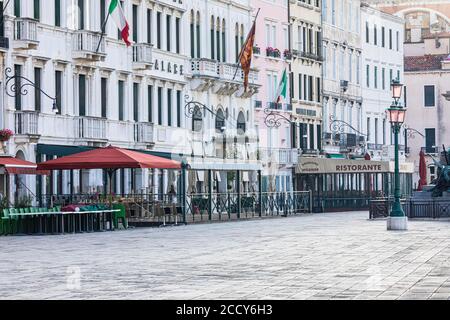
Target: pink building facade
270,58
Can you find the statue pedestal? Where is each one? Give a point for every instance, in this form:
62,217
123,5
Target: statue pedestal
422,195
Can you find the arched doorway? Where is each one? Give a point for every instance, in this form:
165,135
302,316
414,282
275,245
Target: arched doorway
20,191
221,144
197,119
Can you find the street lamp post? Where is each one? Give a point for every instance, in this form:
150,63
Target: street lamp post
15,86
397,219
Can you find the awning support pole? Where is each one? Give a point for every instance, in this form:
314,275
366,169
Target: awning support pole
238,181
260,193
183,190
210,206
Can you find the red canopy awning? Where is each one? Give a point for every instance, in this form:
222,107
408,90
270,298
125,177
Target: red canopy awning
109,158
18,166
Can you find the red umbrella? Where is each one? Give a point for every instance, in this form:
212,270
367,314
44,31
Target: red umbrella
422,171
19,166
110,158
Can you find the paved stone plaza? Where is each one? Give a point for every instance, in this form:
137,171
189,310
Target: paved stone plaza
326,256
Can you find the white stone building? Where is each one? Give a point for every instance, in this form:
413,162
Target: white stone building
129,97
382,61
223,134
342,96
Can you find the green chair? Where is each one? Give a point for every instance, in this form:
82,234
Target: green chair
3,223
120,215
10,224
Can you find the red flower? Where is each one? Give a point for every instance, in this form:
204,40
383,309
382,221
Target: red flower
6,134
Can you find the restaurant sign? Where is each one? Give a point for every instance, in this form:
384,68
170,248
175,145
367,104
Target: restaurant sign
319,165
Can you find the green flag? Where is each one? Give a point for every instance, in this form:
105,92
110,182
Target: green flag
282,87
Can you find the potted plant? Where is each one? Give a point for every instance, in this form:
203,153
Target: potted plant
287,54
276,53
269,51
256,50
5,134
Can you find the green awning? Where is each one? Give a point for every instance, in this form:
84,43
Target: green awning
335,156
60,151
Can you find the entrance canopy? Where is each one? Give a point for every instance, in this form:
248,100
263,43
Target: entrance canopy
18,166
109,158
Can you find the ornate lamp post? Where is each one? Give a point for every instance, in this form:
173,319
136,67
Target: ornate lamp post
15,86
397,219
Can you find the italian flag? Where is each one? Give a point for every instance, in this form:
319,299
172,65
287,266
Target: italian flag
282,87
116,12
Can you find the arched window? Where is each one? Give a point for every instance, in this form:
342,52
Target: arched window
198,34
223,42
242,35
212,38
220,121
197,119
236,41
241,123
218,39
192,25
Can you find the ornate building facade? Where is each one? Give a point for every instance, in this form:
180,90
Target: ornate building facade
132,97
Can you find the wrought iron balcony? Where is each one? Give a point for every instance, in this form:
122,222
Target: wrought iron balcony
142,56
275,105
25,33
430,150
85,44
307,55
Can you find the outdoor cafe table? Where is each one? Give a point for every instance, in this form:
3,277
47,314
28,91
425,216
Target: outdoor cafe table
71,219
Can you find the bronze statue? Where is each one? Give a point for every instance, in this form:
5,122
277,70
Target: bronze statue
442,182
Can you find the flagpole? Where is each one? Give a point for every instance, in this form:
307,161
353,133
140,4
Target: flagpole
242,49
103,32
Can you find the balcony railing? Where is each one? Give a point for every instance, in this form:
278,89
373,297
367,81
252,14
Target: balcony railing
26,122
306,112
308,55
143,132
90,128
205,67
142,53
87,42
25,29
430,150
224,71
283,156
374,146
275,105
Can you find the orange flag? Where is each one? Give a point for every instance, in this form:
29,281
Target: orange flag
247,54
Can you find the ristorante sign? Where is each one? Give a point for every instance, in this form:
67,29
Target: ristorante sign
313,165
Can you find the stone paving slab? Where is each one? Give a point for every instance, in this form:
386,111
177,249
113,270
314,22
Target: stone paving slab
324,256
